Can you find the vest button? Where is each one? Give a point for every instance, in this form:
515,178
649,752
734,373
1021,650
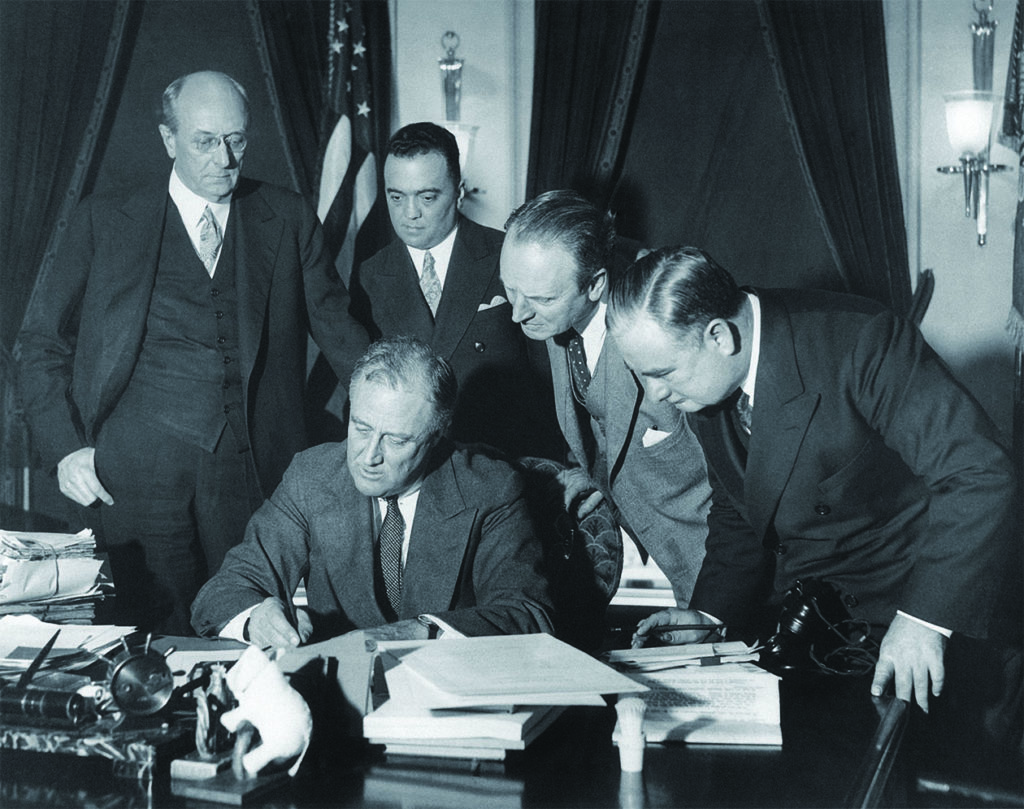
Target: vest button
227,360
227,409
822,510
221,340
214,292
850,601
780,549
479,347
219,314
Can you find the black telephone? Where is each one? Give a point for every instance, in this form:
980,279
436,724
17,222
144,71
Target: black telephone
817,634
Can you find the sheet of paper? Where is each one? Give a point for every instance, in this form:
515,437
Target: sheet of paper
735,703
535,669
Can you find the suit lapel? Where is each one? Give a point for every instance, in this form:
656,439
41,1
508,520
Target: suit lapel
136,236
254,233
465,286
400,293
352,558
616,383
565,408
784,407
441,533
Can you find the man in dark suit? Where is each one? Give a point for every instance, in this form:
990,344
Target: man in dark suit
439,282
394,530
163,353
634,452
839,448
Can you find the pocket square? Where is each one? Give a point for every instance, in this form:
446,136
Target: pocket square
654,436
497,300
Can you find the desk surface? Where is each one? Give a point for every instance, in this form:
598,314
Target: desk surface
826,734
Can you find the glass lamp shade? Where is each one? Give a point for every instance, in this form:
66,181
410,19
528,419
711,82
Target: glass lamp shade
969,120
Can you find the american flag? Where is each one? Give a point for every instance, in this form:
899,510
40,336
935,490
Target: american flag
354,130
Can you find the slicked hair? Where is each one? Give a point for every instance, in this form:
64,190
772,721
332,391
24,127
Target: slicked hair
680,288
568,220
423,138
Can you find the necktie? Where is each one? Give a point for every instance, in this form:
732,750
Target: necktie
578,366
210,239
392,535
745,411
430,284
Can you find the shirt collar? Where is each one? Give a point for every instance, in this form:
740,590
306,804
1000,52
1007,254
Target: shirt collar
191,206
755,346
593,335
442,253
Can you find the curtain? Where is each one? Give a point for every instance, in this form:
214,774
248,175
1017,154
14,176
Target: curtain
55,86
830,65
588,64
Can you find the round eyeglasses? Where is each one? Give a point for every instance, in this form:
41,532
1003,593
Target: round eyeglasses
236,142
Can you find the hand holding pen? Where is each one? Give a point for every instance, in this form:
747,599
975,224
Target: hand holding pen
676,626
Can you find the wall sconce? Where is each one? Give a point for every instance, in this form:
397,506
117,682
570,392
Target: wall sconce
969,126
451,87
969,116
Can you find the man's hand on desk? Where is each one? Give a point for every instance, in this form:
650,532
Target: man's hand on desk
269,626
911,656
76,474
579,496
674,617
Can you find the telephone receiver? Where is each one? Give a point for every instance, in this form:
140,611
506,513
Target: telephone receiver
816,633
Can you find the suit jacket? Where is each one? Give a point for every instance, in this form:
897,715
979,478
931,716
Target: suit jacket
869,466
504,387
85,323
660,492
473,559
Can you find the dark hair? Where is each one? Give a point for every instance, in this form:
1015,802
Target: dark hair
397,360
168,108
424,138
681,288
567,220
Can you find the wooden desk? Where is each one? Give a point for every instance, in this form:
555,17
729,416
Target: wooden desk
828,728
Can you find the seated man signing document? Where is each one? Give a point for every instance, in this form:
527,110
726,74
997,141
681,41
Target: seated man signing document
395,530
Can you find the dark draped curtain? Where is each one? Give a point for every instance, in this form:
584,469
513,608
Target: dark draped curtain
588,62
760,130
57,76
831,68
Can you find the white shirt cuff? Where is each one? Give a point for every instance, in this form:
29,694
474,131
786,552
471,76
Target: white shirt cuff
940,629
234,628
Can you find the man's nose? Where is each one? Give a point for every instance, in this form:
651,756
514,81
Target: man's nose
657,390
223,156
411,209
520,310
371,452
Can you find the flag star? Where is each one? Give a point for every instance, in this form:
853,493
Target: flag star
342,26
348,87
358,49
336,47
355,67
363,109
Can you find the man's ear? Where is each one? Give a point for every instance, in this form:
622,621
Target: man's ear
168,138
595,290
724,336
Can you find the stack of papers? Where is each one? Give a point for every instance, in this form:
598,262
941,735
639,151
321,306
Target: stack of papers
51,575
22,636
705,694
479,697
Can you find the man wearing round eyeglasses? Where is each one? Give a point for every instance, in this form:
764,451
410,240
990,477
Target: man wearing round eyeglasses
163,353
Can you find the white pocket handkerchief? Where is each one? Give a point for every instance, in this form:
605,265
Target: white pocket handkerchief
654,436
497,300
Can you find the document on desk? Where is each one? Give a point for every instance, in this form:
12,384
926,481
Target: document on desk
22,636
535,669
733,703
655,658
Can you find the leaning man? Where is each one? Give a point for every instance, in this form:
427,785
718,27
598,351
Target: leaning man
394,530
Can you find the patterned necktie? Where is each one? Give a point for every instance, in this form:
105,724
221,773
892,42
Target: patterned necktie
578,366
392,535
210,240
430,284
745,411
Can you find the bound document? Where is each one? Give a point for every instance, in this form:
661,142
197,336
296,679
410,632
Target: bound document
730,703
